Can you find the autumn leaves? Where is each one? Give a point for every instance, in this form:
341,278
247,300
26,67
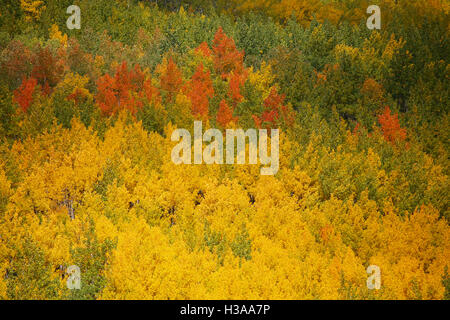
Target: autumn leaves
133,89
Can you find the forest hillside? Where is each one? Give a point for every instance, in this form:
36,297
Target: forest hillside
88,185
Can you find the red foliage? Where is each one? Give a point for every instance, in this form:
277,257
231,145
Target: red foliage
47,69
106,94
225,114
16,62
76,57
390,126
203,49
171,81
258,121
127,81
274,111
227,58
236,81
356,129
150,92
24,94
137,78
77,96
199,90
124,91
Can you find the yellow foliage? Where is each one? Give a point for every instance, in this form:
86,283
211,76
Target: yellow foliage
219,232
58,35
32,8
262,79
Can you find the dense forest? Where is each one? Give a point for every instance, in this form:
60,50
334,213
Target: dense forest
87,180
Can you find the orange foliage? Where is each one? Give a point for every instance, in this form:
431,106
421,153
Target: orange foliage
24,94
373,90
356,129
390,126
124,91
236,81
227,58
326,232
106,94
47,69
151,92
15,60
171,79
225,114
322,77
77,95
274,111
203,48
199,90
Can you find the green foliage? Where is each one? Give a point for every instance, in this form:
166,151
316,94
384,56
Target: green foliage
30,275
85,123
91,258
242,245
